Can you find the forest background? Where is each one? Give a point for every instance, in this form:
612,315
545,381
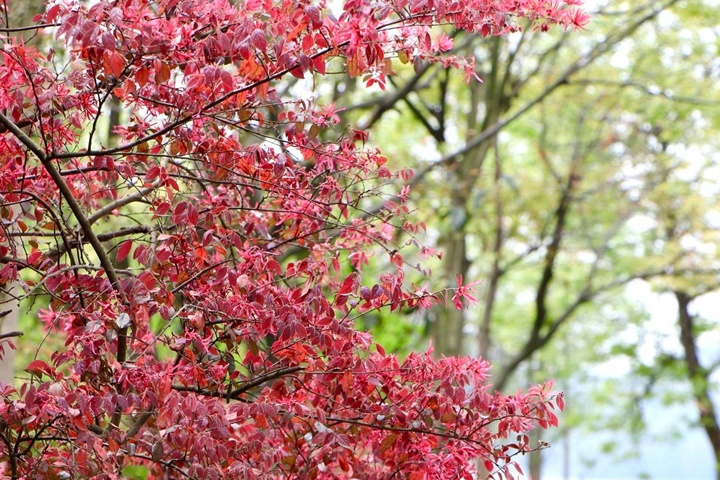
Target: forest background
579,183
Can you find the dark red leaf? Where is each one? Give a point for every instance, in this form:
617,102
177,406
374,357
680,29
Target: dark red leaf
123,250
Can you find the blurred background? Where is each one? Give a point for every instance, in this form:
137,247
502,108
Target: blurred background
579,184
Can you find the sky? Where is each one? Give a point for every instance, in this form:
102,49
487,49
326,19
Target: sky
674,448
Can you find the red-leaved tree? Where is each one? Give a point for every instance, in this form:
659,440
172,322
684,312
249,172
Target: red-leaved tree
203,261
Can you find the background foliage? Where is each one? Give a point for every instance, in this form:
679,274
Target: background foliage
579,182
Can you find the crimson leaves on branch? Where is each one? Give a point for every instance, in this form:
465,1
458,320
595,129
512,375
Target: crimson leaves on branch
204,261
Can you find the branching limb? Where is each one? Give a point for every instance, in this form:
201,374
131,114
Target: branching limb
245,387
107,209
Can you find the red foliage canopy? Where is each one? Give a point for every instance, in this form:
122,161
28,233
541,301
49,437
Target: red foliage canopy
197,258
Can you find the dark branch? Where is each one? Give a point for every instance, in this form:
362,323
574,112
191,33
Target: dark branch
235,394
9,334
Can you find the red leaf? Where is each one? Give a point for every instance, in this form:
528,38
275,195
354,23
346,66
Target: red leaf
162,208
388,442
319,64
115,62
162,72
192,215
34,256
307,42
123,250
38,368
348,285
258,40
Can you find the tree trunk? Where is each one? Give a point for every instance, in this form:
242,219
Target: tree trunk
535,457
536,460
9,305
699,377
484,333
448,324
448,333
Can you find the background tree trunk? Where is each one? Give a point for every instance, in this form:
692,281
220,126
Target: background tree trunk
9,306
9,324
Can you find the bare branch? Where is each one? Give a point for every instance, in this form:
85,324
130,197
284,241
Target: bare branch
648,90
9,334
107,209
28,28
235,394
60,250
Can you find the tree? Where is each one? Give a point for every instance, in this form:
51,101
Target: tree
204,261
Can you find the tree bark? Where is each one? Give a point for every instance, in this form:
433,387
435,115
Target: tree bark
10,306
535,459
449,324
484,334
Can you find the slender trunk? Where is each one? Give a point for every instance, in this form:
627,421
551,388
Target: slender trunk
535,460
448,332
699,377
10,309
566,440
566,454
9,304
539,335
484,338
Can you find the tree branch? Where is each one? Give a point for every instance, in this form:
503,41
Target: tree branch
9,334
699,376
28,28
86,228
599,50
235,394
60,250
107,209
667,94
138,424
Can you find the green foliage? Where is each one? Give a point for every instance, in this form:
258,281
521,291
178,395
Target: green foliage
394,331
135,472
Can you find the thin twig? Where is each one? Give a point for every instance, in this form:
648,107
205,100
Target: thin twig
29,27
